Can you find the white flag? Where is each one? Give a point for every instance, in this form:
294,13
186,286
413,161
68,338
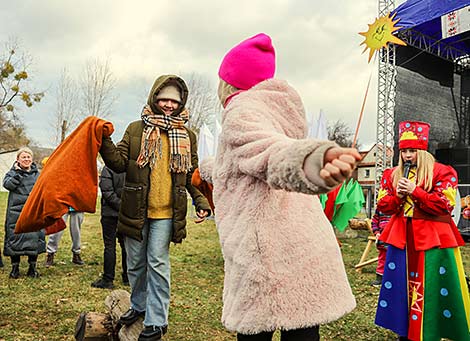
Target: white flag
205,145
319,130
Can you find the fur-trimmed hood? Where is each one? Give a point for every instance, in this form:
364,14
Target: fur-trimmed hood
283,266
160,83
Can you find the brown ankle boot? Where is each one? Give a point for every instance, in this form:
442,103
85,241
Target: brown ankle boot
76,259
49,260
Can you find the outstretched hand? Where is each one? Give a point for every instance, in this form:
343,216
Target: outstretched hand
339,164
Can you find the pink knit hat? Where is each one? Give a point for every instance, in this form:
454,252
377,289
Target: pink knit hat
249,63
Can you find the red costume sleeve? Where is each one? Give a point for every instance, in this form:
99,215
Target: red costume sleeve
387,201
436,202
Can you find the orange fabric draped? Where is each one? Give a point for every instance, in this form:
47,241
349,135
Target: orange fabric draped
204,187
69,179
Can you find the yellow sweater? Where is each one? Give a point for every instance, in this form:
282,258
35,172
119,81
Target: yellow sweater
160,203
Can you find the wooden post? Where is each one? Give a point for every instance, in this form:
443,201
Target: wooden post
363,262
359,224
367,262
117,303
93,327
105,327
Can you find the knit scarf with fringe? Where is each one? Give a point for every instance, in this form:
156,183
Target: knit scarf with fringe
151,144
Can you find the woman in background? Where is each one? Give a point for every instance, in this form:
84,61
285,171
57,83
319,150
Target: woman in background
19,181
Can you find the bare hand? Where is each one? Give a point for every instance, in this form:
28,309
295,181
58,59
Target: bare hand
339,164
201,216
336,152
405,187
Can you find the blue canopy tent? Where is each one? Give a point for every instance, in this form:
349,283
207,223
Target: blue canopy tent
420,22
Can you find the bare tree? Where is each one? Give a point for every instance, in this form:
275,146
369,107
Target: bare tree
203,103
97,86
66,114
341,133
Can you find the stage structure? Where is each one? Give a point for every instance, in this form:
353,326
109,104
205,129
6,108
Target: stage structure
438,38
385,101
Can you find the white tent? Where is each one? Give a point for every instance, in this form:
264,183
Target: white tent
205,146
318,128
217,131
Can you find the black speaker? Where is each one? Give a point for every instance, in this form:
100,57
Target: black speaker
443,156
463,172
459,158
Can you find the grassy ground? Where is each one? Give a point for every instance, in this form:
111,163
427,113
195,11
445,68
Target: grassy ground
47,308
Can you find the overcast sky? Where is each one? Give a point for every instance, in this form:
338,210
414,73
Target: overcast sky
316,42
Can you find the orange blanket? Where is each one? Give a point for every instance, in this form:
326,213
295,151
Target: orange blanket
69,178
204,187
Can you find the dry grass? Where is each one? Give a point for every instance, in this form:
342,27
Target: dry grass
48,307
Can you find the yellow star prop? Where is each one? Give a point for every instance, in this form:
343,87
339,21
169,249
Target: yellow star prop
380,33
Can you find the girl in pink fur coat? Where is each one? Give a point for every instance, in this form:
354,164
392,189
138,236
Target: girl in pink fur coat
283,266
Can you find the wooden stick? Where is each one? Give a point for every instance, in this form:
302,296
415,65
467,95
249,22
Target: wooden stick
370,261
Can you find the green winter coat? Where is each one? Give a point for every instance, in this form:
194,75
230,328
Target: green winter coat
134,199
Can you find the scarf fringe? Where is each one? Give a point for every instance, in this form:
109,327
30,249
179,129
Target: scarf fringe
180,163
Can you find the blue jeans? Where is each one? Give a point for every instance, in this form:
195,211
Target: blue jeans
148,269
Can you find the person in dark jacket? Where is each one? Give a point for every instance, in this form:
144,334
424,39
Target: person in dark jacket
158,154
19,181
111,184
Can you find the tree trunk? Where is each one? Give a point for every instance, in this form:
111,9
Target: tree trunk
360,224
93,327
117,303
105,327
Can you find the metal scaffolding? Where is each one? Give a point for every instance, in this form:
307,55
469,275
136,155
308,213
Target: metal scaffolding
385,102
432,45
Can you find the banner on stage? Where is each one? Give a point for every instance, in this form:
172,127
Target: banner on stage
455,22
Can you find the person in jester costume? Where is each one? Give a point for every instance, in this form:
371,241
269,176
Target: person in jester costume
424,295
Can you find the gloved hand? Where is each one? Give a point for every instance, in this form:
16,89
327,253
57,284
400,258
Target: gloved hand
16,180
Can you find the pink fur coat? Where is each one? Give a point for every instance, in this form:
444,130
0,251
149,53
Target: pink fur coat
283,266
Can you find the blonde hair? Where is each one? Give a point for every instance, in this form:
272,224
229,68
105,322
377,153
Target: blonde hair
24,150
225,90
424,170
